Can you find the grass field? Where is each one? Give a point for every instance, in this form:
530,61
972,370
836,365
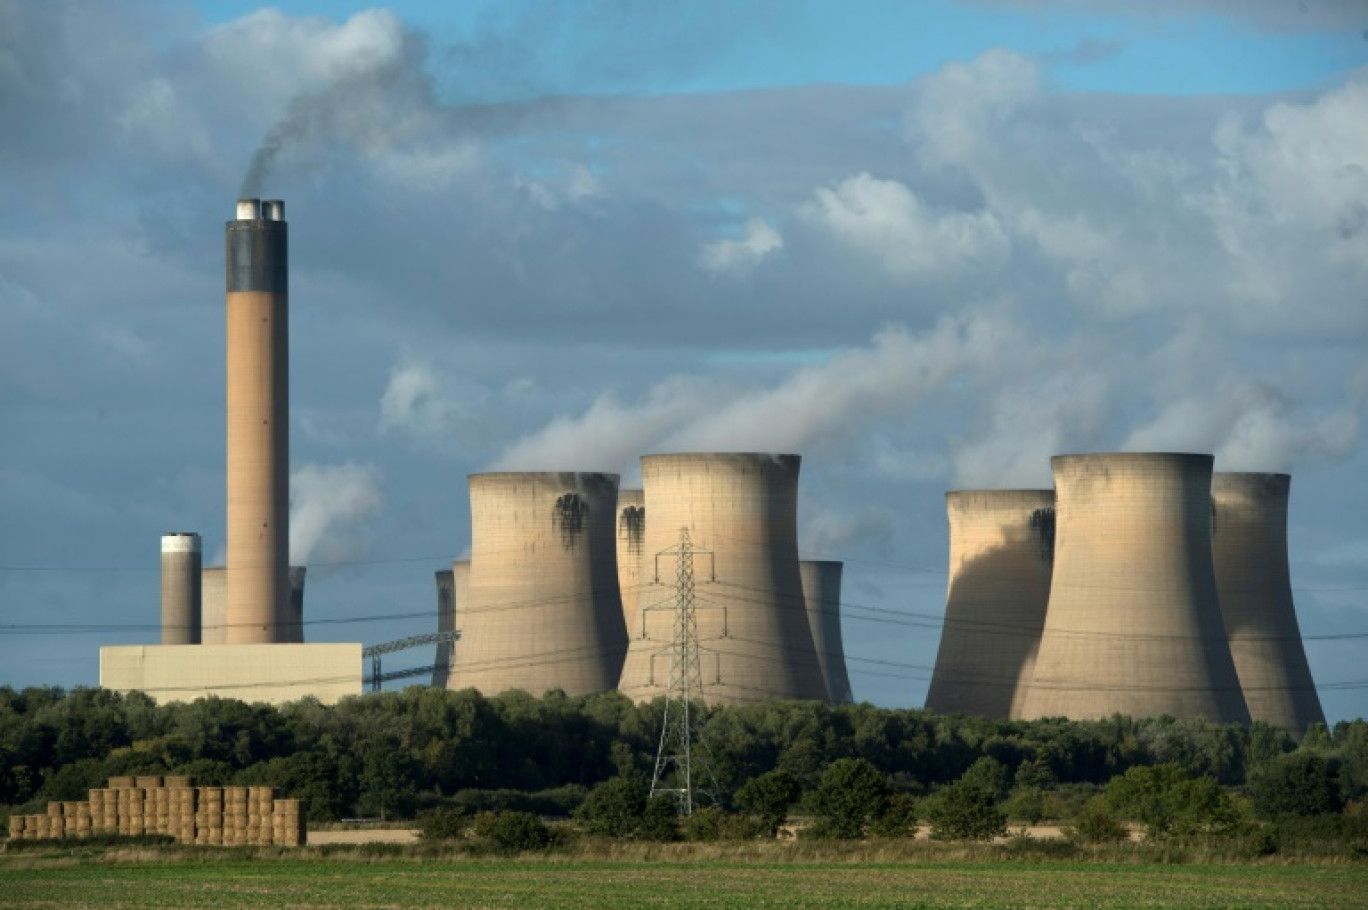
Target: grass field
358,882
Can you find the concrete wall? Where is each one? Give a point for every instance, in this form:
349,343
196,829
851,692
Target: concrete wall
544,611
180,589
822,593
1001,554
258,415
253,673
1133,624
631,537
1249,546
752,622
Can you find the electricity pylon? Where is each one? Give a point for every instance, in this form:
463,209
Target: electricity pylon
678,737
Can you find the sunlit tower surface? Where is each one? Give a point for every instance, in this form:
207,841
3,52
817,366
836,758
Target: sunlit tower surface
1133,624
678,769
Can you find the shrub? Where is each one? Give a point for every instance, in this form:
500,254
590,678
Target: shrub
614,808
851,794
1298,784
512,831
965,810
442,824
660,818
712,823
898,818
769,797
1096,824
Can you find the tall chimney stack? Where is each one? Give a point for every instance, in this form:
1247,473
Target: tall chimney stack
180,588
258,589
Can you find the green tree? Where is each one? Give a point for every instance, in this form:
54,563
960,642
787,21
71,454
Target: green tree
614,808
769,797
852,793
1297,784
511,831
990,774
660,818
966,810
1096,824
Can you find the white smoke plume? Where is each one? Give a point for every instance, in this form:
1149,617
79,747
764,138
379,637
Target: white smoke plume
809,407
327,503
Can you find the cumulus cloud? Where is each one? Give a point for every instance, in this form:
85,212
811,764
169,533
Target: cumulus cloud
958,110
327,503
757,241
886,221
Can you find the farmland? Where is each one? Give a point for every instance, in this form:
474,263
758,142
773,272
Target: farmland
152,880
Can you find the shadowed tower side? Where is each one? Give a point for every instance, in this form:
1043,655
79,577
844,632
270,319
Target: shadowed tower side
1133,624
822,593
446,621
1001,556
258,452
543,611
1249,546
631,537
752,622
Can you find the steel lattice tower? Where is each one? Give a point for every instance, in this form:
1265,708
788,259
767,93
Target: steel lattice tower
685,687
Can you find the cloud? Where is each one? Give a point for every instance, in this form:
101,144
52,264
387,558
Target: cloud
327,502
758,240
812,407
887,222
1250,427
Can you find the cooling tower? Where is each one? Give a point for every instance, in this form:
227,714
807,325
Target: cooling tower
631,534
543,611
822,594
754,638
258,456
446,621
180,589
213,615
1001,553
1249,547
1133,624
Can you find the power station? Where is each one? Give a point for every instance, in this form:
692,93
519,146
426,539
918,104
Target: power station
238,630
1249,546
754,638
257,337
543,610
1142,584
1133,625
1002,546
822,600
631,542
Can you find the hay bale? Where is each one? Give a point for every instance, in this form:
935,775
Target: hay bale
149,782
177,781
120,783
54,810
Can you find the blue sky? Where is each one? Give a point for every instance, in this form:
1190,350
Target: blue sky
1087,47
925,245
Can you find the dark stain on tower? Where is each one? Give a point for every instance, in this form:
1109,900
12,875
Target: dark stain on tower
570,514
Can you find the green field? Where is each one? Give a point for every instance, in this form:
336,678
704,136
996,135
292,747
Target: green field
361,883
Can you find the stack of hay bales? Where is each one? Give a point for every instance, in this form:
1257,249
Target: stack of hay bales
287,821
209,817
235,816
260,821
173,805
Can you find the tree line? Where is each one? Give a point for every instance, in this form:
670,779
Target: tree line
398,754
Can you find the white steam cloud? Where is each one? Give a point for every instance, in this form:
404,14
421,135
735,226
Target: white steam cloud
327,503
812,406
